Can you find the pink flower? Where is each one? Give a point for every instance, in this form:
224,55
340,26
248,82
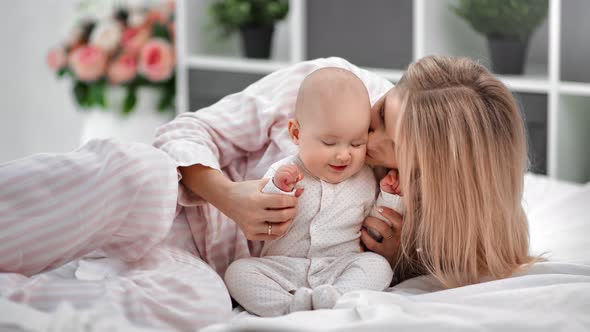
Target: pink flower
156,60
123,69
155,16
134,38
88,63
56,58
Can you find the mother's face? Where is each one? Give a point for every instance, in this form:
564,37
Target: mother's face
385,116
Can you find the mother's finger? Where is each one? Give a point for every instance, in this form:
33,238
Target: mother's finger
379,226
277,201
393,217
279,215
274,228
369,242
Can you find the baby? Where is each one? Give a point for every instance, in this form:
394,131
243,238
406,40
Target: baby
320,257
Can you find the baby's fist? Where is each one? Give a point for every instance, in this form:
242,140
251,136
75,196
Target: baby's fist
286,177
390,183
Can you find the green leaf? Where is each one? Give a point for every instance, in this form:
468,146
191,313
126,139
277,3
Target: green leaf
97,94
130,101
166,100
62,71
81,94
160,31
516,18
228,16
101,95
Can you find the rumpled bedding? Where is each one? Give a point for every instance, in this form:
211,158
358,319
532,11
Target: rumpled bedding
553,295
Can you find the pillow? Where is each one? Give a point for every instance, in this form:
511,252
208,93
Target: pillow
559,219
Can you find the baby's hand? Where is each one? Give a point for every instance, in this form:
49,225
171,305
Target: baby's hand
286,177
390,183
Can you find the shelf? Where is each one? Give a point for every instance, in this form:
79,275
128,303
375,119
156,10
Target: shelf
534,84
574,48
553,91
236,64
574,134
207,86
575,88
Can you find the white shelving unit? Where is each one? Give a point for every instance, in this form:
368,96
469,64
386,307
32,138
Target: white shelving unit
433,29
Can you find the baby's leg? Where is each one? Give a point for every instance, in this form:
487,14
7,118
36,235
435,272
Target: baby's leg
266,286
366,270
352,272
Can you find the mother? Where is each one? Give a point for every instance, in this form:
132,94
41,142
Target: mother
452,129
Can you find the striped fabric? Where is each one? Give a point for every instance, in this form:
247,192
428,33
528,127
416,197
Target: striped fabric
121,199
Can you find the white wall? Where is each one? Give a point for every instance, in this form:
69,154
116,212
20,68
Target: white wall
36,112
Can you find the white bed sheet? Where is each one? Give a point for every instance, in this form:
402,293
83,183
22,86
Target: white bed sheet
551,296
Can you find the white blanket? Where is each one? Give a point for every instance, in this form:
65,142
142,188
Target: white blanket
551,296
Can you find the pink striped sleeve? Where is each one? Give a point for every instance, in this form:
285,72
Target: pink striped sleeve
241,123
118,197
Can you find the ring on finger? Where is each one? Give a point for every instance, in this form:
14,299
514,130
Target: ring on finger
269,228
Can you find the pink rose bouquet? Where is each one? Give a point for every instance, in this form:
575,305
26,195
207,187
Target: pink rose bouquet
133,47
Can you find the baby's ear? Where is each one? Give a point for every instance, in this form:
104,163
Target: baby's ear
294,131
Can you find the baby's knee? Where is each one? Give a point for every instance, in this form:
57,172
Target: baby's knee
237,272
376,262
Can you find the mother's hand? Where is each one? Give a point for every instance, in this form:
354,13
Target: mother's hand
261,216
243,202
389,245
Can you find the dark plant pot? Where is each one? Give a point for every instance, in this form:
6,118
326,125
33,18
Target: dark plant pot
508,54
257,41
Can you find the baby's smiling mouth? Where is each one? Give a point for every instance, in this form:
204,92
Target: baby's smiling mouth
338,168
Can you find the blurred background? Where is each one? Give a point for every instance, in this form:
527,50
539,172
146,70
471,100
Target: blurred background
73,70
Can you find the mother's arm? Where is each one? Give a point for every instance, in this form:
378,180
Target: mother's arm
242,202
237,126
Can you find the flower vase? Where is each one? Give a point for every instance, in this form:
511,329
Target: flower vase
137,126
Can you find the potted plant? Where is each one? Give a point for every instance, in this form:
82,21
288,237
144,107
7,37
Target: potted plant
507,26
255,19
122,62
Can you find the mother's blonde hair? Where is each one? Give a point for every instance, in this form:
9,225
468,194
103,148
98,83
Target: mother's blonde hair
464,151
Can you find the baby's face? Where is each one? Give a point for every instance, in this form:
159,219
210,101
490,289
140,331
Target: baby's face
333,143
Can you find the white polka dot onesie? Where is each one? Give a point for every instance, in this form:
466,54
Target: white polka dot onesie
320,257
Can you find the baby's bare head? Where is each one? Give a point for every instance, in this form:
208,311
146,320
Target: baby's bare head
331,124
330,93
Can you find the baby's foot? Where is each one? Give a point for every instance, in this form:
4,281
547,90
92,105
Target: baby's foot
301,300
287,177
390,183
324,297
